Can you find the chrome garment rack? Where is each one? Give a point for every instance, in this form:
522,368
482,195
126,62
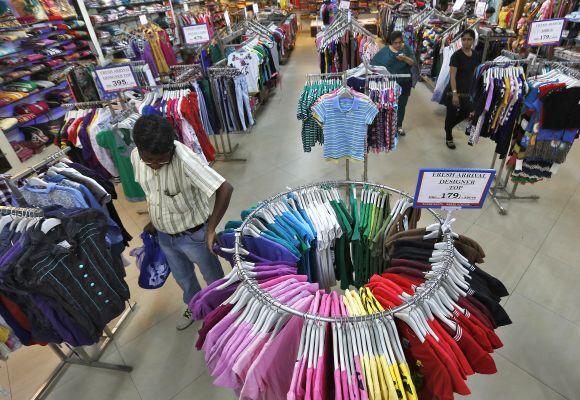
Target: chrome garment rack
423,291
187,72
92,104
67,354
499,190
343,76
227,151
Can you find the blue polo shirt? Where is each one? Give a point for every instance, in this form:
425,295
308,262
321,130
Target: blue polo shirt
345,122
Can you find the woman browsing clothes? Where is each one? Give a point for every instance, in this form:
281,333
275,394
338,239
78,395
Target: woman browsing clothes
398,58
461,69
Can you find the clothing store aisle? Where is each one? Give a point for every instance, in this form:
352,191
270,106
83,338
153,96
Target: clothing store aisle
533,250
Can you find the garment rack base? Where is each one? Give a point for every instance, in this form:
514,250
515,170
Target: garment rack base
225,154
79,356
499,192
503,194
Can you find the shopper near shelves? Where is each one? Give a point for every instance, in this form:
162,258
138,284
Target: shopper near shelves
398,58
178,187
462,66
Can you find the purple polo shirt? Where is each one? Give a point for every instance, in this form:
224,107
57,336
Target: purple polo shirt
261,247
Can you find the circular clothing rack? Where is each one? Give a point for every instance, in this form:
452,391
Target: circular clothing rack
420,293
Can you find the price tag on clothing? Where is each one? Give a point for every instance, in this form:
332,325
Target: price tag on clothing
272,28
452,188
344,5
143,19
480,8
545,33
255,9
116,79
185,7
196,34
227,18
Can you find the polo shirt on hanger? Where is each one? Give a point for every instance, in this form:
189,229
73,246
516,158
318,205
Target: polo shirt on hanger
345,122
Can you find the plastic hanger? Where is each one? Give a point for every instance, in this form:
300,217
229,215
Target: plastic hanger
5,220
49,224
406,317
21,226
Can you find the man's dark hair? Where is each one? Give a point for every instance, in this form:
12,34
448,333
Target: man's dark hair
153,134
395,35
490,10
469,32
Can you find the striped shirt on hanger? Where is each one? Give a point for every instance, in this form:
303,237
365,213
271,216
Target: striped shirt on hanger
178,193
345,122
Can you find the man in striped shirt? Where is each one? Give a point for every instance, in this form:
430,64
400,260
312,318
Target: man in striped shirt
178,186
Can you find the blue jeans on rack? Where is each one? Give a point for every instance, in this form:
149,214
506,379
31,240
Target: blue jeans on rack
243,101
182,251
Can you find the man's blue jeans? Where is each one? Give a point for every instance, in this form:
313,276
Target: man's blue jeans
185,250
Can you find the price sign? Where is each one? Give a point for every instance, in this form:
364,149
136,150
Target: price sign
116,79
196,34
227,18
546,32
185,7
452,188
255,9
344,5
143,19
480,8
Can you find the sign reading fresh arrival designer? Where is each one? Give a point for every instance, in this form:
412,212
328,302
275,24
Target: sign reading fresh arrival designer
545,32
116,79
196,34
454,188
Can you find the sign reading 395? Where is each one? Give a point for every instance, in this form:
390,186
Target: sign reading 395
116,79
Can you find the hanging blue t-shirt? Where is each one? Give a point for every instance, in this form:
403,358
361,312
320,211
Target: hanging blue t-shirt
345,122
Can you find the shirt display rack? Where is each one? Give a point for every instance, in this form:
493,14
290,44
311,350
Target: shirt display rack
499,191
67,354
344,76
421,292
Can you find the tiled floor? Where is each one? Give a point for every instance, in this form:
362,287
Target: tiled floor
534,250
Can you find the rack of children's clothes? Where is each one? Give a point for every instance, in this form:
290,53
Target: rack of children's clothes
368,125
344,44
40,297
420,319
530,148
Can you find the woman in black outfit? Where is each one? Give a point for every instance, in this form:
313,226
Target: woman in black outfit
461,69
